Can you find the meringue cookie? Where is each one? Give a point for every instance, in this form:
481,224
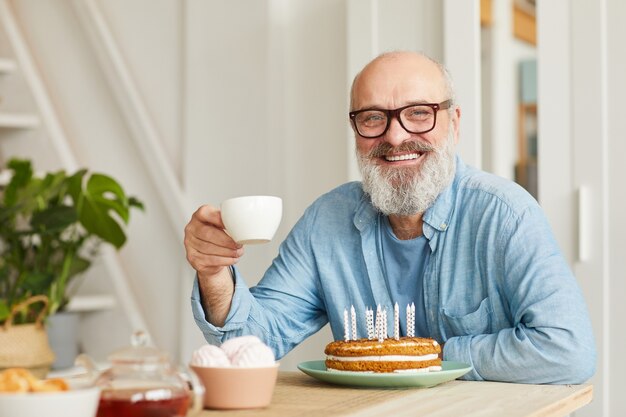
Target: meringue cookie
248,351
210,356
242,352
231,346
253,355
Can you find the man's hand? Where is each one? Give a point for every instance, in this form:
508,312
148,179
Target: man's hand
209,248
210,251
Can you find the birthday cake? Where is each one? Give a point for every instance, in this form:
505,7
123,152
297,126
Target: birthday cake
379,352
405,354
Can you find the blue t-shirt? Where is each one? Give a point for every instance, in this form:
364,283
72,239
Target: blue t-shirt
404,262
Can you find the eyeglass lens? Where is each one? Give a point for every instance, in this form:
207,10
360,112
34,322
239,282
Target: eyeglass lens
415,119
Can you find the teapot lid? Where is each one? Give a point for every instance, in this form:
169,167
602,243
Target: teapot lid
138,352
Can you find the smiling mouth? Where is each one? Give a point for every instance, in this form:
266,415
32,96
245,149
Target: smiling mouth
405,157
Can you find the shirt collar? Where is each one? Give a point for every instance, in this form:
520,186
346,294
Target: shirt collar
365,214
439,214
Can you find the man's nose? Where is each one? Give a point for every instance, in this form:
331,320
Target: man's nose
396,134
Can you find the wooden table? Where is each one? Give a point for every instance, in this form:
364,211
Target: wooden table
299,395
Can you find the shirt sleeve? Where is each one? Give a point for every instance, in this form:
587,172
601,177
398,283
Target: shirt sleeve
284,308
240,307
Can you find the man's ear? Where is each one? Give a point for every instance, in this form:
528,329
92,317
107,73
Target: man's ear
456,123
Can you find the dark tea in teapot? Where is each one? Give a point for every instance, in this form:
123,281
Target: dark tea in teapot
152,403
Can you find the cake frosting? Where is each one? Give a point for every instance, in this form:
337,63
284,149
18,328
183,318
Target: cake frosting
405,354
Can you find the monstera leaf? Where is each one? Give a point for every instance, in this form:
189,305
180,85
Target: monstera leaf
103,199
53,219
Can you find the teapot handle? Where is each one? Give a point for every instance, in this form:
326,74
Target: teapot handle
196,390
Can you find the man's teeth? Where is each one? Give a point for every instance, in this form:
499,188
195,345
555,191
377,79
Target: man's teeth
401,157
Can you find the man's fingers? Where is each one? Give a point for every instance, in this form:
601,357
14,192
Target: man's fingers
211,217
209,263
209,214
206,225
210,248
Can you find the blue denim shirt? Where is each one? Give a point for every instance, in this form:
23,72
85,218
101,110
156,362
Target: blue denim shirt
497,289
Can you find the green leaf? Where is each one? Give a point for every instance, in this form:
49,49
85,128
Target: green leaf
103,197
37,282
107,193
79,265
22,174
75,186
96,220
6,213
52,184
134,202
4,311
54,218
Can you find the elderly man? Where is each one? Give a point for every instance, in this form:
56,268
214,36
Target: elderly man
473,251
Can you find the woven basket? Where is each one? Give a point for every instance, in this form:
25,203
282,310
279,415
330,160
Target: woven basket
26,345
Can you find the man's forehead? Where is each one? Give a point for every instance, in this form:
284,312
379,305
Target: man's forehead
399,75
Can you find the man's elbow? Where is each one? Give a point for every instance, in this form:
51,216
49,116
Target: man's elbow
578,366
584,370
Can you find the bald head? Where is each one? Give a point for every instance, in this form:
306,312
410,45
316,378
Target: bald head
393,72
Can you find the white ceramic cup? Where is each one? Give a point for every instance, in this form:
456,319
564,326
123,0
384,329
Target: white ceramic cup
252,219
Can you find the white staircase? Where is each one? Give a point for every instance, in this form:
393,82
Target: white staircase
11,119
20,78
95,99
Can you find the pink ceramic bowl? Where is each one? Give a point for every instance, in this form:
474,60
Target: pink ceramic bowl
234,388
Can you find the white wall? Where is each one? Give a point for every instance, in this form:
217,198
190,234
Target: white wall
615,207
286,56
581,86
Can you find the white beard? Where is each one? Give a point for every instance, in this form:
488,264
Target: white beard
406,191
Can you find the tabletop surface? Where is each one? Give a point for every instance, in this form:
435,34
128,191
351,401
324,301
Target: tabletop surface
297,394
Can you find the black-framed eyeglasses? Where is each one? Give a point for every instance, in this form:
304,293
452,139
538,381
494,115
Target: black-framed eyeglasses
414,118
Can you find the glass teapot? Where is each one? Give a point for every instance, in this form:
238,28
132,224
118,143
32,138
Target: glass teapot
142,382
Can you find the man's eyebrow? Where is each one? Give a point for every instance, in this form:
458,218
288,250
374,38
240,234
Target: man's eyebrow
416,102
410,103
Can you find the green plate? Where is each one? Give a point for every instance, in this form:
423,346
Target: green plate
450,370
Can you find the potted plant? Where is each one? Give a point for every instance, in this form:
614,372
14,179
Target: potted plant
50,229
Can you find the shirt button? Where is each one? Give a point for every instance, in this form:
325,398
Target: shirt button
443,226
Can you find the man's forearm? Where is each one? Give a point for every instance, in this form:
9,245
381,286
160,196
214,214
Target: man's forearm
216,293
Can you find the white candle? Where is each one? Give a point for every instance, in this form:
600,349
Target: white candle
346,328
385,333
379,323
369,316
353,316
410,322
396,322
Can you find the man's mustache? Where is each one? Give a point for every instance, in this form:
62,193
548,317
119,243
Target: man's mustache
385,148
